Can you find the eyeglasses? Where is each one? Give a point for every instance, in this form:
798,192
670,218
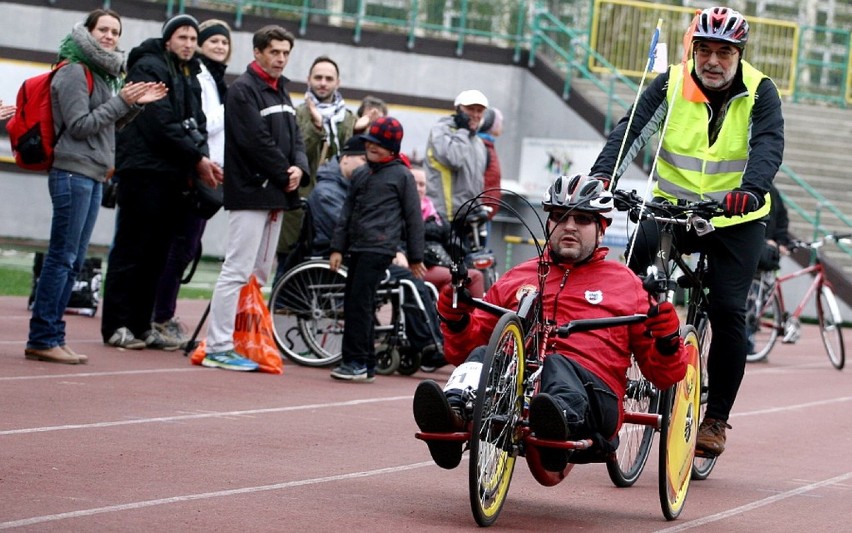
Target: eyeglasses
580,219
724,54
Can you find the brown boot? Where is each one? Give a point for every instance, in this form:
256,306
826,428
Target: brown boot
51,355
83,359
711,436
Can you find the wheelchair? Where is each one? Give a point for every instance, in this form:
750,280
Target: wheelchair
306,305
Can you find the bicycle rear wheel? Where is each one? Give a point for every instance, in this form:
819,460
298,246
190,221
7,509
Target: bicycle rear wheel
634,441
680,406
307,313
764,318
702,466
830,326
495,435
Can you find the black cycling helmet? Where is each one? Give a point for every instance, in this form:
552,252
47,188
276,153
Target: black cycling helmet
581,193
722,24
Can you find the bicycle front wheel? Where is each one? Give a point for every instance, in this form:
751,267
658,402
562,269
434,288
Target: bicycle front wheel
495,435
634,441
764,319
702,466
830,326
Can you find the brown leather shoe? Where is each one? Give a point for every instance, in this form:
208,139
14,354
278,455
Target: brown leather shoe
83,359
711,436
51,355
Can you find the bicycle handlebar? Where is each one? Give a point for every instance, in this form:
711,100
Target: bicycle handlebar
694,214
845,238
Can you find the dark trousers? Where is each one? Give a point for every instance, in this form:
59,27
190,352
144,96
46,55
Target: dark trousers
365,271
184,248
149,207
732,255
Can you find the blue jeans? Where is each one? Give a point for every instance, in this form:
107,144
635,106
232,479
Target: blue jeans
76,201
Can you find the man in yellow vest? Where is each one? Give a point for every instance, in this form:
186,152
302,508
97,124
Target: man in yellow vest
724,140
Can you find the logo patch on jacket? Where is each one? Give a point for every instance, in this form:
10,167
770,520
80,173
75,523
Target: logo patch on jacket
523,290
594,297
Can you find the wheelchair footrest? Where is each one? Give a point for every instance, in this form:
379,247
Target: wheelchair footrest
582,444
456,436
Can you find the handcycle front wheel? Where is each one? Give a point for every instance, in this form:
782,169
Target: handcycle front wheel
679,407
830,326
498,408
634,441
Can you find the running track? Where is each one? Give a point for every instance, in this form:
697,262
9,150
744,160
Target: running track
143,441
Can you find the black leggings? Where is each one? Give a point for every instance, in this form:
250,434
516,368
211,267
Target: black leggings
732,255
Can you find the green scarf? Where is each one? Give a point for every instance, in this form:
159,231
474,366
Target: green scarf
70,51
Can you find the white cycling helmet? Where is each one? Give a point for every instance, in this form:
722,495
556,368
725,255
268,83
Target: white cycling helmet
581,193
723,25
471,97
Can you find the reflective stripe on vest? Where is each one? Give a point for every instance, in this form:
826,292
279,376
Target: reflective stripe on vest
688,167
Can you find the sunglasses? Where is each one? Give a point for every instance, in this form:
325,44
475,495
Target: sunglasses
580,219
724,54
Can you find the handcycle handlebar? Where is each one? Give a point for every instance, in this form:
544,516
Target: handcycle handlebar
588,324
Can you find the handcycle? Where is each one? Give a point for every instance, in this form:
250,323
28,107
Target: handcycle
307,318
767,316
500,432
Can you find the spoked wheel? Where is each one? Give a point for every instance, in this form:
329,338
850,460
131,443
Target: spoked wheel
634,441
764,317
307,313
680,406
830,322
495,435
702,466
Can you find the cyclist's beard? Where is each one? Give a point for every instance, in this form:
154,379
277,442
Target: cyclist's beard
572,256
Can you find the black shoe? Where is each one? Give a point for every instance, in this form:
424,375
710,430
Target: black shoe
547,422
433,414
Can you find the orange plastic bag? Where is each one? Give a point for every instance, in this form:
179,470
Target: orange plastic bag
253,336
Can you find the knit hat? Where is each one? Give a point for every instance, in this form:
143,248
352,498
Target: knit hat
178,21
354,146
386,132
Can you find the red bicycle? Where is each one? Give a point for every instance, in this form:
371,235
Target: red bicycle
768,318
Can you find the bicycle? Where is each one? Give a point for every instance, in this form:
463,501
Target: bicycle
510,377
767,317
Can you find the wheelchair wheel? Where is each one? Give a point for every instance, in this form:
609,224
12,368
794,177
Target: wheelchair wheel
495,434
387,359
764,317
702,466
830,326
409,362
634,441
307,313
679,405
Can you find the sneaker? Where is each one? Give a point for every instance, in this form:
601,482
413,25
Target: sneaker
711,436
172,329
433,414
229,360
123,338
432,358
547,421
353,372
157,341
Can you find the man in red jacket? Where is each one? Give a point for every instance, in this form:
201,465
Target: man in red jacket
582,380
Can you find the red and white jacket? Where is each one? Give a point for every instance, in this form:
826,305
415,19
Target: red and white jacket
593,289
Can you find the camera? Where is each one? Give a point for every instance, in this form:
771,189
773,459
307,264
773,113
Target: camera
190,126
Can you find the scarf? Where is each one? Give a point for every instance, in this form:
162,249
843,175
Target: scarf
80,47
272,82
217,70
332,113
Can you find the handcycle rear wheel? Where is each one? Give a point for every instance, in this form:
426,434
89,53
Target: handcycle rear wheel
307,313
634,441
830,326
764,318
679,406
702,466
495,434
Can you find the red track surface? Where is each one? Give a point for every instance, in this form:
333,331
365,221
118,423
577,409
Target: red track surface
143,441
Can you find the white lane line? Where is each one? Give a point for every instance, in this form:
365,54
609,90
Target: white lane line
99,374
757,504
207,495
199,416
787,408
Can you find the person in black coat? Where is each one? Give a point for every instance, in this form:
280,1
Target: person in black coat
266,163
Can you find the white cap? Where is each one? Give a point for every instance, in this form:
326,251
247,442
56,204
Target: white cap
471,97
